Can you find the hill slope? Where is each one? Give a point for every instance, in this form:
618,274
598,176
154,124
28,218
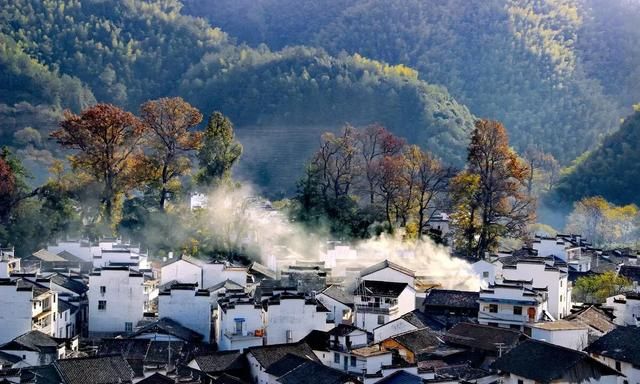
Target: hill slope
543,67
127,51
612,170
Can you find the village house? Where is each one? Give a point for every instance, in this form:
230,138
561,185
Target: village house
187,269
546,273
116,300
218,363
379,302
410,321
626,308
239,323
535,361
619,349
27,306
261,359
165,329
511,304
409,345
35,348
597,321
561,332
189,306
447,307
8,263
338,302
291,316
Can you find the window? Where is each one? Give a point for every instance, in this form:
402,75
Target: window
128,327
380,319
336,357
54,298
560,283
492,324
517,310
520,381
485,274
103,290
238,327
514,326
561,298
493,308
618,366
102,305
54,316
353,361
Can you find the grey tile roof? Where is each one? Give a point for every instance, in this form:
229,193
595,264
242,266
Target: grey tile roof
220,361
35,341
594,318
95,370
386,264
313,372
483,337
157,378
620,344
632,272
285,365
338,294
73,285
269,354
545,363
452,298
169,327
419,340
401,377
45,255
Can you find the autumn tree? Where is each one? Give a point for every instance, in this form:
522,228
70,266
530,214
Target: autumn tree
501,201
603,223
374,144
8,187
105,139
543,171
171,123
430,184
219,151
391,187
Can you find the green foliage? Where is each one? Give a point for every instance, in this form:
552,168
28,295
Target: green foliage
596,288
219,151
610,170
551,70
128,51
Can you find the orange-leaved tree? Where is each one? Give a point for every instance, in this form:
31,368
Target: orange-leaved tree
171,123
106,139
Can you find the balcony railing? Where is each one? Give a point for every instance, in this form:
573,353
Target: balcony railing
499,316
372,308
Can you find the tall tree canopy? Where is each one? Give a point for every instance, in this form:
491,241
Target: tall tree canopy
171,123
500,206
219,151
106,142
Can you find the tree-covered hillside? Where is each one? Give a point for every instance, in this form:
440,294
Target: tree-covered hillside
612,170
128,51
558,73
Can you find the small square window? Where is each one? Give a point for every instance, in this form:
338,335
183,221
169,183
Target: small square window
493,308
353,361
618,366
380,319
102,305
103,289
485,274
336,357
517,310
128,327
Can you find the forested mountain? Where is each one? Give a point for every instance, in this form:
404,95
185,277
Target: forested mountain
558,73
611,170
61,53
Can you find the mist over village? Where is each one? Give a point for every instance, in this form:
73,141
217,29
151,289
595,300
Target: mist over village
319,191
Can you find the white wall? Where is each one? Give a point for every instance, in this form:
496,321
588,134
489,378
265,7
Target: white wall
181,271
558,295
335,307
569,338
294,316
16,312
76,248
191,310
225,323
125,300
632,374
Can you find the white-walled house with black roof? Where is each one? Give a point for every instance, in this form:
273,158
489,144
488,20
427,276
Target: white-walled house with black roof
116,300
620,350
379,302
